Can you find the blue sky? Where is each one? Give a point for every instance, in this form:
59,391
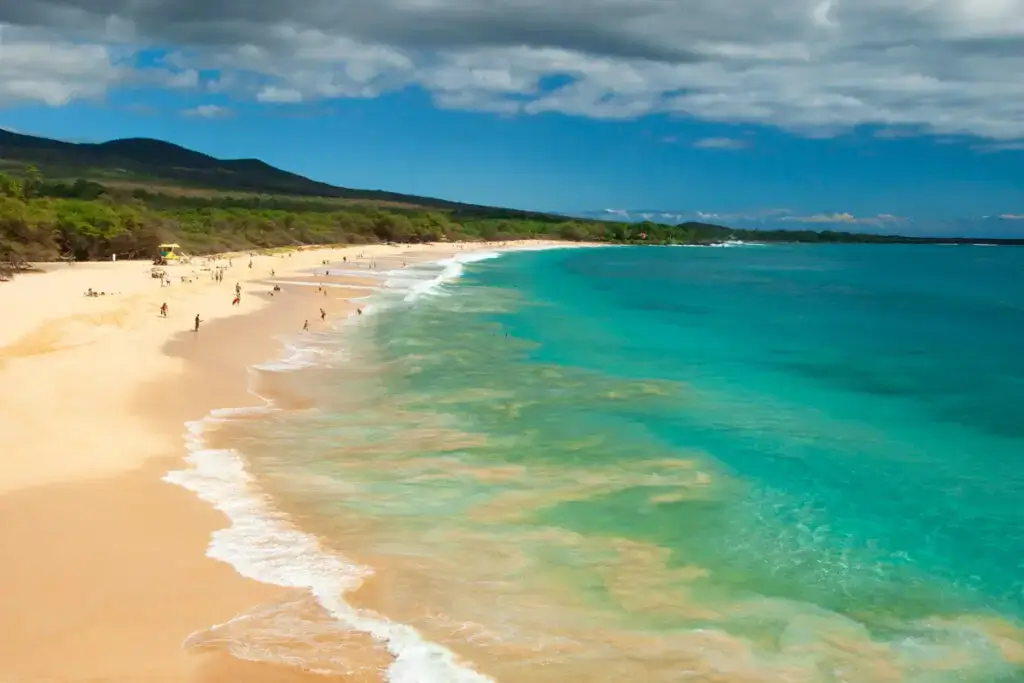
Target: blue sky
826,116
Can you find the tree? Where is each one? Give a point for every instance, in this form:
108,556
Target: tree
32,182
10,187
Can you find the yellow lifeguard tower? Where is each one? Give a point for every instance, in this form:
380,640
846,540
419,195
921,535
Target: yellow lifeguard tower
169,253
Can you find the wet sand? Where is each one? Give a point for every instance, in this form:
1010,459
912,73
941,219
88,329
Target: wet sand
103,563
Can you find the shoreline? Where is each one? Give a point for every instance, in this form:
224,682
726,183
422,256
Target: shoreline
100,389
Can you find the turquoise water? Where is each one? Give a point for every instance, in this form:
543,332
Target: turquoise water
783,463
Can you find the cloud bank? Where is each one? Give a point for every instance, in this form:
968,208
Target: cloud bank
1004,225
208,111
719,143
815,67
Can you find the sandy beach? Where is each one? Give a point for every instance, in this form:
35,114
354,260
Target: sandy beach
103,562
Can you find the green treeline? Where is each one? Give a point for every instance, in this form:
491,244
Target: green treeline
44,220
83,220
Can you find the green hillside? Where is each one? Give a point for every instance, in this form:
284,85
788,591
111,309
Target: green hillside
163,163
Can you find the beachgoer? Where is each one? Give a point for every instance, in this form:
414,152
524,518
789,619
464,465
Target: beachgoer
305,326
163,309
323,314
238,289
237,300
197,322
359,311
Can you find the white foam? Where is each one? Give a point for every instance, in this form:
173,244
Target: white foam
453,269
262,543
728,244
295,358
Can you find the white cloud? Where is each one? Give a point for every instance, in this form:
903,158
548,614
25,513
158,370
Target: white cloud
1000,147
896,133
188,78
818,67
719,143
272,93
208,111
844,217
53,72
822,218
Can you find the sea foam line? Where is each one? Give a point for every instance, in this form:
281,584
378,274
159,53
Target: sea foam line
261,543
453,268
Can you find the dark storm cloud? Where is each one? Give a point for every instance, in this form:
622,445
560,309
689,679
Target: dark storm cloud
644,29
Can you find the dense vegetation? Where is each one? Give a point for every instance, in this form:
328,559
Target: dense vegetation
42,220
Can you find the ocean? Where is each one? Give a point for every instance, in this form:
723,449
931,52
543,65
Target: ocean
759,463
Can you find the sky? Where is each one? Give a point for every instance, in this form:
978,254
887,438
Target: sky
899,116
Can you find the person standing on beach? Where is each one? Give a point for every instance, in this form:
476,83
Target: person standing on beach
197,322
163,310
323,314
305,326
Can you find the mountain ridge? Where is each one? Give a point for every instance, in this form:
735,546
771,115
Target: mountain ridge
160,160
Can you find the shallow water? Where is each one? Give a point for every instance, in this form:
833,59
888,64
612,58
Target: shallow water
797,464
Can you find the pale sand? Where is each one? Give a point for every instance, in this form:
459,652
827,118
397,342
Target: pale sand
102,563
